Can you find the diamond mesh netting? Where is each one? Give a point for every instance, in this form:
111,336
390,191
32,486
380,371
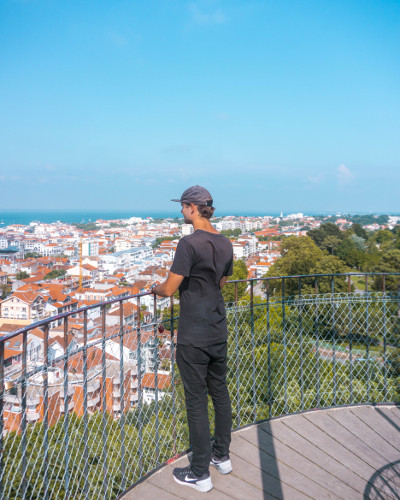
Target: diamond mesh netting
99,416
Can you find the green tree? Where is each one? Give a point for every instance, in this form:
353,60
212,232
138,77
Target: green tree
231,232
330,243
160,239
166,316
325,230
348,252
358,230
359,242
384,238
5,290
239,273
389,263
33,255
21,275
301,256
55,273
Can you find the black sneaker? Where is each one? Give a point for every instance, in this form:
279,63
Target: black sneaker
185,476
223,464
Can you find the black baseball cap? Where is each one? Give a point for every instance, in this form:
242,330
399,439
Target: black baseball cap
197,195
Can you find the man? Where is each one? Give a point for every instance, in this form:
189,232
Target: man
202,263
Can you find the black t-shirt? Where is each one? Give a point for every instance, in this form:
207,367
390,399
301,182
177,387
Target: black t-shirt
203,258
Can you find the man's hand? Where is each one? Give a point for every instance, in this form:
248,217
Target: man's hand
170,285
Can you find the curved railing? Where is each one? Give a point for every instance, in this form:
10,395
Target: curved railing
92,416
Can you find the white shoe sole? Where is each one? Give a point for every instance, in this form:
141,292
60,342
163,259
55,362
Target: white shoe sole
224,467
202,486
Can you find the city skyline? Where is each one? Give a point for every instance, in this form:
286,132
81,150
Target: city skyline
287,107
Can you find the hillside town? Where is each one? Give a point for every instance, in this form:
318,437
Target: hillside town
50,269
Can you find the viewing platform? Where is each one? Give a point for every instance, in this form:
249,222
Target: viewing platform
338,453
313,374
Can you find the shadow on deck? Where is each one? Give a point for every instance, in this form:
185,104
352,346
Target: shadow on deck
348,453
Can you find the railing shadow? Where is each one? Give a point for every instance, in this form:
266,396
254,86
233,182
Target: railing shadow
271,482
384,483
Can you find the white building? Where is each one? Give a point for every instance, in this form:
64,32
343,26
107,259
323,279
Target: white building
90,248
187,229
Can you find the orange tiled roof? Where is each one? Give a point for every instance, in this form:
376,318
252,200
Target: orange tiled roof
148,381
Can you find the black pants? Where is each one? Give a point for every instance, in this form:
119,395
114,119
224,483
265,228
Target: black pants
203,370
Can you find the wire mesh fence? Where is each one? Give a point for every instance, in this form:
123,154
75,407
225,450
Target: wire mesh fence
89,407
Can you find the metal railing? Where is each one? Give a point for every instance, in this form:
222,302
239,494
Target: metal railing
95,411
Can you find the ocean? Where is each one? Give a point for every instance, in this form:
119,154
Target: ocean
25,217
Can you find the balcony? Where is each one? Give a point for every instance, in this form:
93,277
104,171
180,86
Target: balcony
71,406
314,385
93,401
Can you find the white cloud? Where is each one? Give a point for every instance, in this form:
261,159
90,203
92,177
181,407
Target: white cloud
200,17
316,179
344,174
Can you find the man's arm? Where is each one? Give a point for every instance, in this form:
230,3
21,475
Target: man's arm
224,279
170,285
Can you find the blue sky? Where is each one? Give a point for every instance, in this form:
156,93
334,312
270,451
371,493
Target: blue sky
272,105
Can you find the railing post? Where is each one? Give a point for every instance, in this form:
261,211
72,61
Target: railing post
269,355
66,411
139,363
367,347
301,348
173,374
46,413
284,343
85,409
317,343
253,362
155,338
237,358
351,347
2,388
104,399
23,407
385,365
122,393
333,319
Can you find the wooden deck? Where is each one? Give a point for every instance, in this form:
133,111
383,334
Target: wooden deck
349,453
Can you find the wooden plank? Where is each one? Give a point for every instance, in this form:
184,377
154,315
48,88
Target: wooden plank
324,454
372,461
238,489
147,491
299,461
364,432
326,422
353,477
314,454
268,483
164,480
266,457
394,412
377,421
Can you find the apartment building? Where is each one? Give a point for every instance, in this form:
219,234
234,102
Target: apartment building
23,305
